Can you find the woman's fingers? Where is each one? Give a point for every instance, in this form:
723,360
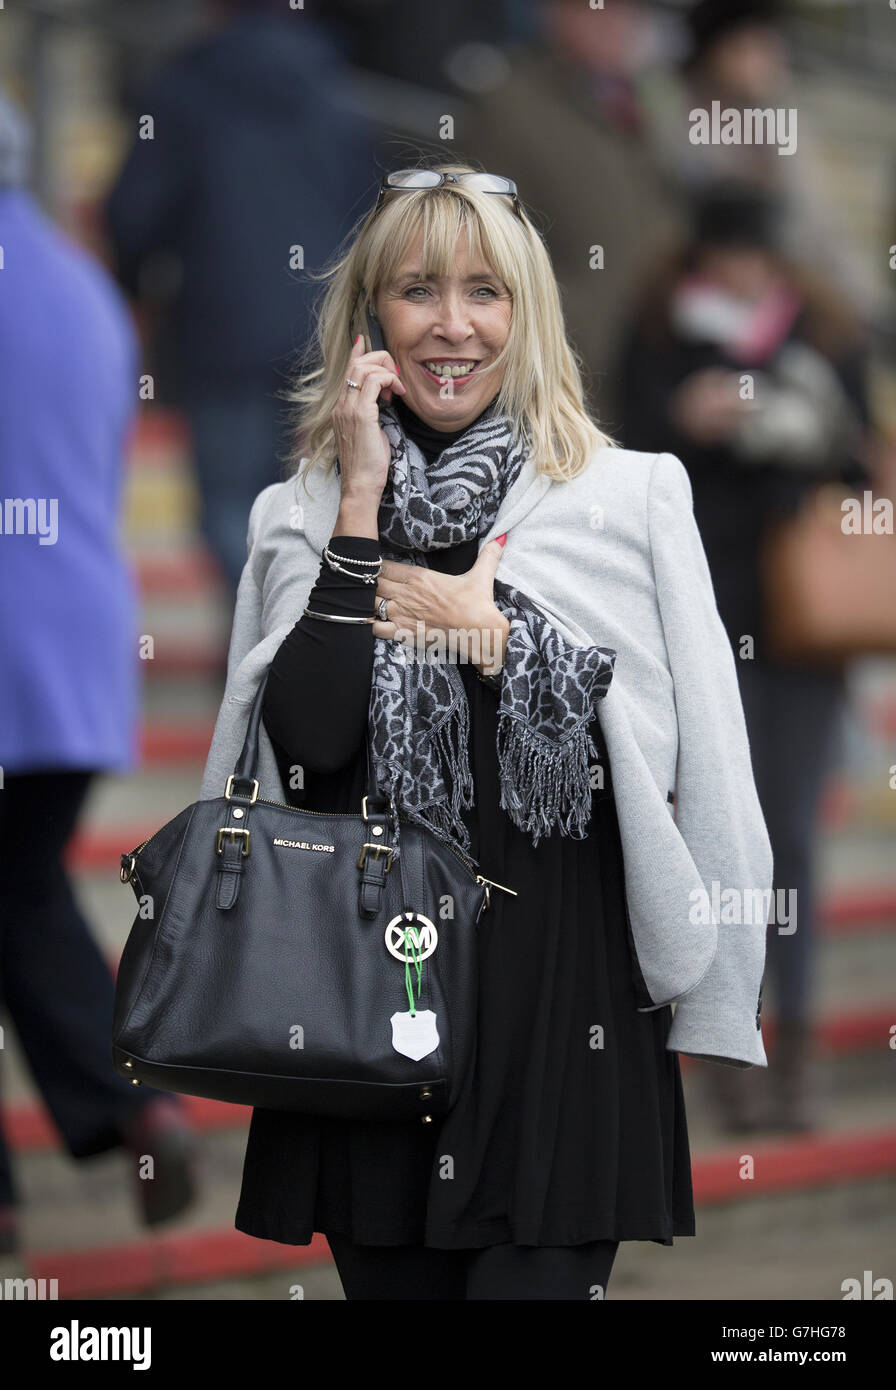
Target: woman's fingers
390,588
404,632
377,380
401,570
373,379
362,362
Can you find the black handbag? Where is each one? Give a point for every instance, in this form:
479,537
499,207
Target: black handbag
278,959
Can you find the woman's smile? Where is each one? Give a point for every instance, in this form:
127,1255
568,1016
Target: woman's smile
458,371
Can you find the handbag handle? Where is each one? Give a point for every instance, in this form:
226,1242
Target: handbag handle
247,762
375,860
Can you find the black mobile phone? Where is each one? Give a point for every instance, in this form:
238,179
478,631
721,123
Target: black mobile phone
373,333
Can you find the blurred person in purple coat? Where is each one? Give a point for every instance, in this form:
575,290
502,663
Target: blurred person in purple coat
69,367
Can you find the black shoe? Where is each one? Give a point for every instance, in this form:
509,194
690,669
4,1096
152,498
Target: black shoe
160,1132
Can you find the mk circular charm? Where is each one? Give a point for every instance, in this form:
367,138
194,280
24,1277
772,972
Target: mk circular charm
425,939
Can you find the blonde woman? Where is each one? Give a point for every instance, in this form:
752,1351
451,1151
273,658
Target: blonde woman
578,730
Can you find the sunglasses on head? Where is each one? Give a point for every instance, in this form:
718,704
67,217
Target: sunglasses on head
408,180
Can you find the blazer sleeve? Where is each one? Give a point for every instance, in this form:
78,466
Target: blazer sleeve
718,813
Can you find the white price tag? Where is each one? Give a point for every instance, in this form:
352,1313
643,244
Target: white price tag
415,1035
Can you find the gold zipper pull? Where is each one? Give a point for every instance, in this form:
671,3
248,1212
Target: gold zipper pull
490,884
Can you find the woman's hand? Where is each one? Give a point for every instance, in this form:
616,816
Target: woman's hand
362,446
454,616
706,406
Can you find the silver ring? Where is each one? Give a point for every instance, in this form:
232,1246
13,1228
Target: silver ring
381,610
355,384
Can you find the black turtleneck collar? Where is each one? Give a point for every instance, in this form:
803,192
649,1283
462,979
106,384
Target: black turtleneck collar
429,441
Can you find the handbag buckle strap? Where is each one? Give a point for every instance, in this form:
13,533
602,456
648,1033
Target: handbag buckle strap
233,830
378,849
230,868
373,877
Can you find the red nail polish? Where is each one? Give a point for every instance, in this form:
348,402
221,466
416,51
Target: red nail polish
501,539
398,369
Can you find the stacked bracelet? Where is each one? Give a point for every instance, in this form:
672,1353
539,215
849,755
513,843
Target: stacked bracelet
333,560
333,617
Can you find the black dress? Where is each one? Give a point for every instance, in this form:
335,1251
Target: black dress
571,1126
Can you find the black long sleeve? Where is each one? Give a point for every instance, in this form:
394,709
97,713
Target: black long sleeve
318,692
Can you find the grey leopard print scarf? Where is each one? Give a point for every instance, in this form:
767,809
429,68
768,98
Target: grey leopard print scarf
419,716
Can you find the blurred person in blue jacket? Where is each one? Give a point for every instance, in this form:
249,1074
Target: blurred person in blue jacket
69,366
254,171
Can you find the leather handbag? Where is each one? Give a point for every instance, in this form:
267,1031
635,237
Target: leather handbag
300,960
828,595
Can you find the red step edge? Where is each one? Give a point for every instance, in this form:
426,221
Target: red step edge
156,430
177,576
29,1128
164,743
808,1161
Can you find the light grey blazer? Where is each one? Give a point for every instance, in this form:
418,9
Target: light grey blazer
612,557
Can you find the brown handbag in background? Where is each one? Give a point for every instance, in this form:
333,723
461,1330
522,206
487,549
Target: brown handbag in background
829,595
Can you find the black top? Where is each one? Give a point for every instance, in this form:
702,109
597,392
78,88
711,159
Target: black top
571,1126
430,440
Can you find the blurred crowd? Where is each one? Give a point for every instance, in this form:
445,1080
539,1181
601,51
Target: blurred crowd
720,307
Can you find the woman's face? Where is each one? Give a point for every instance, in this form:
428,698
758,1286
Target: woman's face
428,324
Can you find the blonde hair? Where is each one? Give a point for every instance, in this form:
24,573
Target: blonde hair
542,388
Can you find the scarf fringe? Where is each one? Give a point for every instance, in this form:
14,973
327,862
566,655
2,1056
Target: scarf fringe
542,784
